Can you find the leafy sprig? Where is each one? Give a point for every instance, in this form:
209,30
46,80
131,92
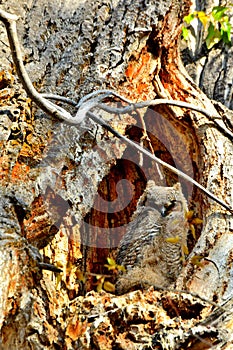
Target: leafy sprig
216,25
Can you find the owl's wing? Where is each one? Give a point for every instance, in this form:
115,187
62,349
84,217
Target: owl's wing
140,233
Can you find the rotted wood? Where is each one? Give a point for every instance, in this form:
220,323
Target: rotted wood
63,188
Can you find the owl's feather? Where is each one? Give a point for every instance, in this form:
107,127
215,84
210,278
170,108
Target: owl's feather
152,247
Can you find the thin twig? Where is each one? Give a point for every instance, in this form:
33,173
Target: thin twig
49,267
60,99
149,103
103,92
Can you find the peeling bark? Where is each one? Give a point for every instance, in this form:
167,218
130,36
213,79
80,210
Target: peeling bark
58,183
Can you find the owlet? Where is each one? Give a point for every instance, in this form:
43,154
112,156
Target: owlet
152,250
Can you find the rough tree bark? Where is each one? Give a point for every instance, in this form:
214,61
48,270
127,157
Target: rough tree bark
58,182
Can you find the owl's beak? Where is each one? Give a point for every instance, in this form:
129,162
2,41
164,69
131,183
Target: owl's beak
173,206
163,211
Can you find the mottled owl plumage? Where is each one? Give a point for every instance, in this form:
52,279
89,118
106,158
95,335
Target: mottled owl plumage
152,248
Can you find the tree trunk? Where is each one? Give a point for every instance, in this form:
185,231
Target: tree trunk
70,191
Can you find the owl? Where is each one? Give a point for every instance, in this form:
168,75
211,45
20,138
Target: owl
152,249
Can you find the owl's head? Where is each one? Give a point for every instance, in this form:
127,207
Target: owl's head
165,200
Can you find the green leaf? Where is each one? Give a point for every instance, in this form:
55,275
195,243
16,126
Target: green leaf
188,19
196,260
109,287
203,18
121,268
218,12
219,27
226,32
197,221
213,37
100,282
193,231
185,33
111,261
189,214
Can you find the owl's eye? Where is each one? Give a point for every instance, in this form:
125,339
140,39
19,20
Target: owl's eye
167,208
152,204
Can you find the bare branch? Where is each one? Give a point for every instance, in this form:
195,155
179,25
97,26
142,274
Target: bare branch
49,267
214,118
105,93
